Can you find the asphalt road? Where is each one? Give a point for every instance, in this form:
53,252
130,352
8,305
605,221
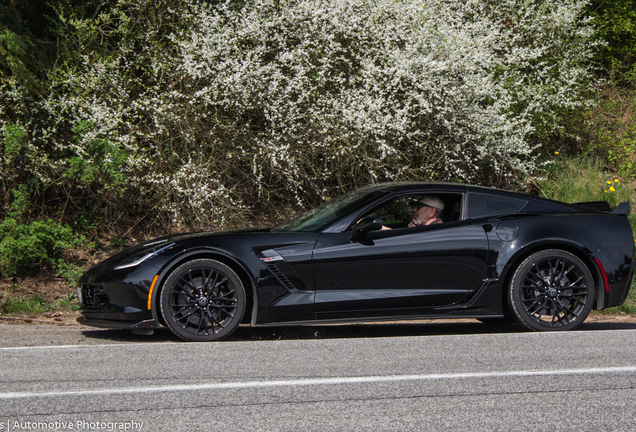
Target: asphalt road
438,377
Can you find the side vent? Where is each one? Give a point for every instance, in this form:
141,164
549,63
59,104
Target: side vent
280,269
280,276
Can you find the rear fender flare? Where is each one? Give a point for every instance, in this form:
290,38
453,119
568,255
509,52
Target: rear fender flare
580,251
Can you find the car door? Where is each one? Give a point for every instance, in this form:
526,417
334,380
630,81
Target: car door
398,272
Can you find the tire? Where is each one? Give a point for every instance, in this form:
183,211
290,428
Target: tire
551,290
203,300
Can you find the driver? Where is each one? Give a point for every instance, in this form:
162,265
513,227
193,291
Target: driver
427,211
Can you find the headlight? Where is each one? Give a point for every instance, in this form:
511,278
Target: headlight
143,255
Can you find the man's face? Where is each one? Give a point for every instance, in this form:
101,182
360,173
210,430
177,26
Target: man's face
423,214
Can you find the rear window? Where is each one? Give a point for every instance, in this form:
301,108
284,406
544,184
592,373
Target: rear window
480,205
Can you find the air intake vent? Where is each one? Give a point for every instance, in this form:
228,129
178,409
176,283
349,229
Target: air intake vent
281,276
93,296
88,295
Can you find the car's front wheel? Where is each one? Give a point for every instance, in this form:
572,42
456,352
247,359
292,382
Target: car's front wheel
203,300
551,290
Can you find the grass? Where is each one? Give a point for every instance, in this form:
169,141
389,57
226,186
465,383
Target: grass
36,305
580,178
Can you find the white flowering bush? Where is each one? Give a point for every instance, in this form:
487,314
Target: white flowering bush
232,105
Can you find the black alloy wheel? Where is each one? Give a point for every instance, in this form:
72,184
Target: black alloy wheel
551,290
203,300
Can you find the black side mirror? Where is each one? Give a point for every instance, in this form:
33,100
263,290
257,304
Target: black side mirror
363,227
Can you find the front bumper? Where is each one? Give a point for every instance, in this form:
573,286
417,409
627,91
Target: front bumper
145,327
99,309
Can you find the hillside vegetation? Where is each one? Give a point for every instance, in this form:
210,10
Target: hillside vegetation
122,119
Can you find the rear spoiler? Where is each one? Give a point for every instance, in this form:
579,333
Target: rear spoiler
604,206
622,209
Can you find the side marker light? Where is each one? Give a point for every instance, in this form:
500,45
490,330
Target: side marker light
604,274
152,288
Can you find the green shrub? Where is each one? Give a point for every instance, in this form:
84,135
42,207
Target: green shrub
30,247
69,271
616,27
611,130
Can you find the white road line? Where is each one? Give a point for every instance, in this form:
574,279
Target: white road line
314,381
84,346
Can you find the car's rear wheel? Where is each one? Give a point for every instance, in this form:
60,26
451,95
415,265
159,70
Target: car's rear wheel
551,290
203,300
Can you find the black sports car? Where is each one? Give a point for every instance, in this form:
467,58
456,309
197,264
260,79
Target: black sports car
491,255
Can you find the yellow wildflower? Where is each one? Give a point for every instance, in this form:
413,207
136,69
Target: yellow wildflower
615,180
609,182
612,189
556,152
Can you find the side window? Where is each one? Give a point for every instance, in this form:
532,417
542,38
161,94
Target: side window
480,205
398,212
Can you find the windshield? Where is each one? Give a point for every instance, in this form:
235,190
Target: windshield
330,211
